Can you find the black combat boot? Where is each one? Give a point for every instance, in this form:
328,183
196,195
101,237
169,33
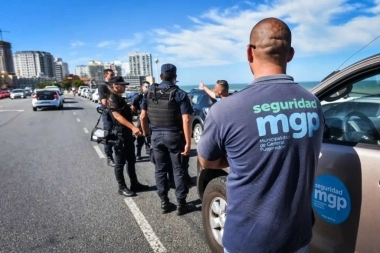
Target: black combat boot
165,205
183,207
124,191
110,161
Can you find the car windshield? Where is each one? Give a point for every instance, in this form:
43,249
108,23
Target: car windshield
17,91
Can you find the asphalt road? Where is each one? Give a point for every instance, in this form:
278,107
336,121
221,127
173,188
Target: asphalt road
58,194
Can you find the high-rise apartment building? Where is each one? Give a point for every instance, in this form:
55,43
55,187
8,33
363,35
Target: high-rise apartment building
6,57
34,64
61,69
95,70
82,71
115,67
140,64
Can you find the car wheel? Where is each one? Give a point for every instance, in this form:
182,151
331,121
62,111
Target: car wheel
197,132
214,207
34,108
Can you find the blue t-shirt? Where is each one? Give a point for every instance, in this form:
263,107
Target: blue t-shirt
180,97
271,132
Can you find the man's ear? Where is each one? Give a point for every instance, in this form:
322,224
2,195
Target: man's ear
249,54
291,54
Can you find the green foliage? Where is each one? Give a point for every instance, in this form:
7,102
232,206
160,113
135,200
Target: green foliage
66,84
77,83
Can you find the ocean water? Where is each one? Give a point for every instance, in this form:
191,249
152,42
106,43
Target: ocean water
240,86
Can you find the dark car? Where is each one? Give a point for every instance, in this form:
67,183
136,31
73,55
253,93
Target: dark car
346,193
201,103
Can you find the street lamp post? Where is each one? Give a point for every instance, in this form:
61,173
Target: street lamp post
157,75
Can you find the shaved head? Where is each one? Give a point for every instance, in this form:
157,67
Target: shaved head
271,40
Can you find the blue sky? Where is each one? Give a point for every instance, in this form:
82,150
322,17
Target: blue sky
205,39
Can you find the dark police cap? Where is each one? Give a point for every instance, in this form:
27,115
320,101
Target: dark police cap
168,69
117,80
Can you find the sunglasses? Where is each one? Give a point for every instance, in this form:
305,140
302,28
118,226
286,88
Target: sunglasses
147,86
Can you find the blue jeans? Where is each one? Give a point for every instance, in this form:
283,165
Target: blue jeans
302,250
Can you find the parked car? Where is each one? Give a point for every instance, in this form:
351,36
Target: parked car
47,98
95,96
17,93
129,96
346,193
4,94
201,103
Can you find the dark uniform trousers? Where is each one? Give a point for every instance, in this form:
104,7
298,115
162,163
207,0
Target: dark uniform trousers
107,125
169,144
125,153
140,141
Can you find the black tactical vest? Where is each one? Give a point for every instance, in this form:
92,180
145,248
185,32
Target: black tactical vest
163,110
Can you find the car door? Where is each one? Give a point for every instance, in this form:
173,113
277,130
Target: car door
346,195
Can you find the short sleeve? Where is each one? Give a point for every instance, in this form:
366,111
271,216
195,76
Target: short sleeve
103,91
143,104
184,102
136,100
210,146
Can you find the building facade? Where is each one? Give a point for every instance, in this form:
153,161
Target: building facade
34,64
95,70
134,80
140,64
115,67
82,71
6,57
61,69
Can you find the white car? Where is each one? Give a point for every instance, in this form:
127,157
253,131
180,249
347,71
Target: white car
17,93
57,89
80,89
95,96
47,98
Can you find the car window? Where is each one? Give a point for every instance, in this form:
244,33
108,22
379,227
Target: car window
354,114
196,98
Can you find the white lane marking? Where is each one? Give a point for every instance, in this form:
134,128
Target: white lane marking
85,130
99,152
11,110
147,230
78,119
74,113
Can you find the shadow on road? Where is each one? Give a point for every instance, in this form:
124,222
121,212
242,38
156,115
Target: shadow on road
70,101
63,109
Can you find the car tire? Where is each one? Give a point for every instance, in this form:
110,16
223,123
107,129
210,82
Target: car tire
197,132
34,108
213,197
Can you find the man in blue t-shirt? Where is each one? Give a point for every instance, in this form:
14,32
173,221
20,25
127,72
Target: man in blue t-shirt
270,135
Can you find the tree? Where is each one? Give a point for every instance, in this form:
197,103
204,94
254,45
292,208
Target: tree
66,84
77,83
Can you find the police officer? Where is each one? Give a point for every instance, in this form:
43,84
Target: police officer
168,109
136,101
104,90
124,144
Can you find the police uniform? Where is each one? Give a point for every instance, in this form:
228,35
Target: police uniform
140,141
124,143
165,104
104,90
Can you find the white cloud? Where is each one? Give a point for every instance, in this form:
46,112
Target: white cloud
106,43
127,43
77,44
220,37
